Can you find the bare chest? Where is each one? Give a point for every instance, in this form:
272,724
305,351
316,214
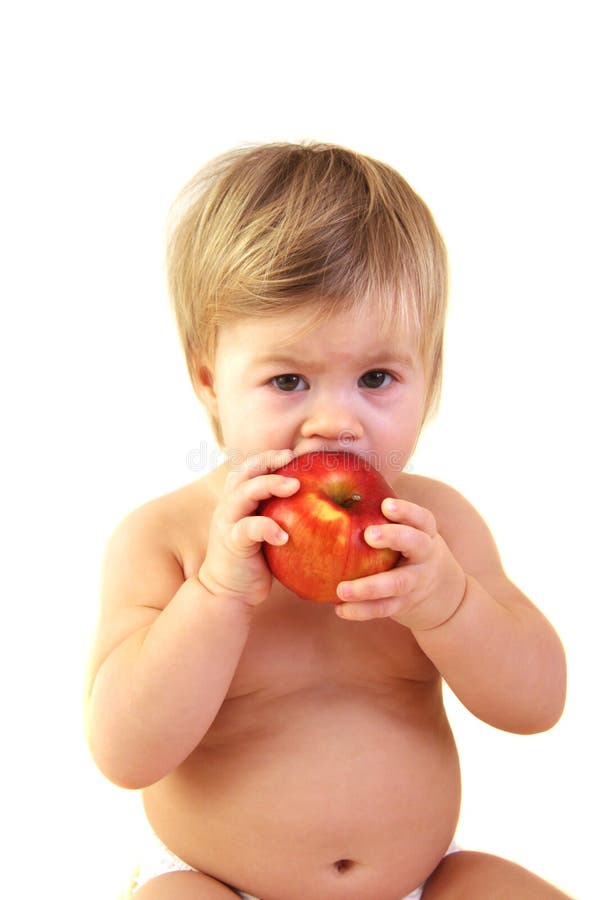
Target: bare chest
300,644
294,644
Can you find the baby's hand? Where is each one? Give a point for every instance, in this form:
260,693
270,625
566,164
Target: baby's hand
423,590
234,565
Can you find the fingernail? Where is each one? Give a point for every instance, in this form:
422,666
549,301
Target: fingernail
390,505
282,537
374,533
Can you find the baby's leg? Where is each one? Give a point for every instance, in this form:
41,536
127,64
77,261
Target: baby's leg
479,876
184,886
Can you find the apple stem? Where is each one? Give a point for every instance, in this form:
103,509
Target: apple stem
351,500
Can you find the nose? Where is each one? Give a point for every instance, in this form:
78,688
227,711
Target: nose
332,422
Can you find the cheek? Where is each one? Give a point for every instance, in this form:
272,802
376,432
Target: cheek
415,407
250,425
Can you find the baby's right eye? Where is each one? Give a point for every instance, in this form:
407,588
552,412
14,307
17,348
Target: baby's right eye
289,383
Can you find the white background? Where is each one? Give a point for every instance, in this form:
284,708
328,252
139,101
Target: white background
490,111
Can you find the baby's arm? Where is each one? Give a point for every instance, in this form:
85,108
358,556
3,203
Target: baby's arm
167,647
495,649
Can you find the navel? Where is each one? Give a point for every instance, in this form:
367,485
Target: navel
344,865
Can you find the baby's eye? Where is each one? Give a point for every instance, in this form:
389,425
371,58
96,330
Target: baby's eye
376,378
288,383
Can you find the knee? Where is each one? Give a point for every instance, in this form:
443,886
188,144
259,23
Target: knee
456,873
473,875
184,886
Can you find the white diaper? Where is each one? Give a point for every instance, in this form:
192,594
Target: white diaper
156,859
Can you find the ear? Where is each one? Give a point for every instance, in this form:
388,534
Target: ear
205,391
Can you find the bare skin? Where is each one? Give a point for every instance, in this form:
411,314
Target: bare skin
290,749
354,714
460,876
480,876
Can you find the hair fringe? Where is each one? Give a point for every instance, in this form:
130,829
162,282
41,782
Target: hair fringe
265,228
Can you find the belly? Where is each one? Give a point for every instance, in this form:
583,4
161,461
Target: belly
342,794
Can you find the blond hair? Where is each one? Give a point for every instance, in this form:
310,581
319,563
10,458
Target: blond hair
273,227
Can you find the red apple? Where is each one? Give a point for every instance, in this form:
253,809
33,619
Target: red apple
339,495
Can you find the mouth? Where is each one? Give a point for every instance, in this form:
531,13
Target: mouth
327,448
390,461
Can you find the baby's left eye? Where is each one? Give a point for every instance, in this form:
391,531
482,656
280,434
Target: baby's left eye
376,378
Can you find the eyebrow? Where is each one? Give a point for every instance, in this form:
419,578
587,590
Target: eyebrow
378,358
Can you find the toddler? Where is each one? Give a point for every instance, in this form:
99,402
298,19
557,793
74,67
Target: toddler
290,750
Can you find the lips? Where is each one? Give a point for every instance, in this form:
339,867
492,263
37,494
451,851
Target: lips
324,447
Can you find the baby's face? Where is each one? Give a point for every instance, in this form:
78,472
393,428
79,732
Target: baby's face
343,384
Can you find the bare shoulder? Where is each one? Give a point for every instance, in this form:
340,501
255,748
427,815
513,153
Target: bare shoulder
166,525
158,527
466,533
458,521
146,560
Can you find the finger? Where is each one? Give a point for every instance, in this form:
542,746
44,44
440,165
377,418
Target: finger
248,495
248,533
413,543
370,609
409,514
257,464
384,585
